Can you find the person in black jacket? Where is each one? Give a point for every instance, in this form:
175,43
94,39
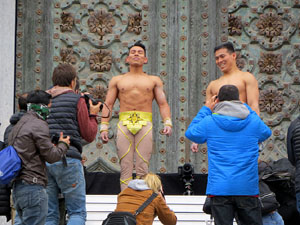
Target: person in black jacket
280,177
22,105
5,190
269,203
293,148
5,201
4,196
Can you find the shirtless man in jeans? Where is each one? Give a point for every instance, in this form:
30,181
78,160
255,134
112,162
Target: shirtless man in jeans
135,90
225,57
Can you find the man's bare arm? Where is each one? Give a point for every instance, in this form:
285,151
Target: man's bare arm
208,96
209,93
161,99
163,105
111,97
252,93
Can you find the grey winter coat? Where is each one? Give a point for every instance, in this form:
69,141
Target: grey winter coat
13,121
34,147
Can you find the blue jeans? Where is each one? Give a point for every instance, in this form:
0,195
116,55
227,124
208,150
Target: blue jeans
71,183
298,201
246,208
273,218
17,220
31,202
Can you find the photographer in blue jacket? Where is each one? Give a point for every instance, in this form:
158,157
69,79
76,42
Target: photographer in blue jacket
232,131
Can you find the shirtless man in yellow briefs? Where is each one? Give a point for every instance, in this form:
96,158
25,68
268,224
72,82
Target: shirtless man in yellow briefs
225,57
135,90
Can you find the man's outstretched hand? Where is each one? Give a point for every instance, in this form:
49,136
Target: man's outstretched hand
194,147
167,131
104,136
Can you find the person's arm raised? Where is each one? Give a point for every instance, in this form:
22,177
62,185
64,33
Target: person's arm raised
208,94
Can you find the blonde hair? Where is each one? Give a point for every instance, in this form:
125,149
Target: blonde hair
153,181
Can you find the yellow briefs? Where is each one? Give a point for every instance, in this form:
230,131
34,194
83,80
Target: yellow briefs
135,120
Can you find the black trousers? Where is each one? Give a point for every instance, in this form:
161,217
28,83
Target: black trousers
245,208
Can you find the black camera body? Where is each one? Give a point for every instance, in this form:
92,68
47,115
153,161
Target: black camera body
186,175
88,97
55,138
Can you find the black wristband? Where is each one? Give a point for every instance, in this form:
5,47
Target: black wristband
64,143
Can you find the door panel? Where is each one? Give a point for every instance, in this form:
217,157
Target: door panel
180,36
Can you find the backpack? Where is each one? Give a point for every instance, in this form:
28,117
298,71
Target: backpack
267,199
127,218
280,177
10,164
207,206
120,218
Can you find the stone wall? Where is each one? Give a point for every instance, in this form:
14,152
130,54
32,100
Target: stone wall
7,60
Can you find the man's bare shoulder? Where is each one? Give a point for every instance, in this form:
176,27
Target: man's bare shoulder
248,76
213,83
117,78
155,79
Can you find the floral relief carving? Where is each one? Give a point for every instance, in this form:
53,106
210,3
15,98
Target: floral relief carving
67,56
101,23
100,60
270,25
270,101
298,64
67,22
270,63
98,92
234,25
134,23
240,62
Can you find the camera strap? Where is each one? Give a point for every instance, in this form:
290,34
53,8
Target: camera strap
145,204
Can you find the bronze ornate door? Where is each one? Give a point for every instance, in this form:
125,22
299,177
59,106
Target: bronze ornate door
94,35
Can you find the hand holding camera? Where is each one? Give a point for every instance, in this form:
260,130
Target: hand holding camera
94,109
210,103
64,139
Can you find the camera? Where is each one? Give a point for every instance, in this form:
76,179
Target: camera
186,175
88,97
55,138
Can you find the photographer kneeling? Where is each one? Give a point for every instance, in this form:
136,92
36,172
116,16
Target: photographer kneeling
138,191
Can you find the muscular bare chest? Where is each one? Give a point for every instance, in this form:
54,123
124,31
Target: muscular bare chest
236,81
133,86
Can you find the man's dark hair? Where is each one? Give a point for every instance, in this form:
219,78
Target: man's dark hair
228,93
22,101
228,46
38,97
63,75
139,44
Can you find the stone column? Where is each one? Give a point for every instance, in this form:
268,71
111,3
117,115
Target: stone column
7,62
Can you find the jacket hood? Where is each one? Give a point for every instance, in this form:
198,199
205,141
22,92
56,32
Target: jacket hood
231,115
57,90
16,117
138,185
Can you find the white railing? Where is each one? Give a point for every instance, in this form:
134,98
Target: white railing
188,209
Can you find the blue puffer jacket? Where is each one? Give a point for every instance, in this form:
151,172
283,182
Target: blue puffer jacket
232,145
